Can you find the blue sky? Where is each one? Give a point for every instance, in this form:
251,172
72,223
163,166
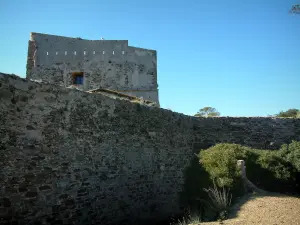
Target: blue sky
241,57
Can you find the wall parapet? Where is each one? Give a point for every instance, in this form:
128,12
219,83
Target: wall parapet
33,36
68,152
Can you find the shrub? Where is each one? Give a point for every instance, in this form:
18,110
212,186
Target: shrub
220,162
272,162
291,153
272,170
189,218
221,200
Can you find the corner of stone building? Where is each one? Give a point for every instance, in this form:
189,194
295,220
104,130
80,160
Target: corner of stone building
30,57
32,36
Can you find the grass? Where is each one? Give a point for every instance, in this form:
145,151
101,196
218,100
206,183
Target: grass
189,218
221,200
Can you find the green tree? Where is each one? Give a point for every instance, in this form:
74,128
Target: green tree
294,113
295,9
207,112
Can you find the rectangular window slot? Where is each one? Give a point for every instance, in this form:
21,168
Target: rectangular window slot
94,52
77,78
103,52
74,52
123,52
56,53
84,52
65,52
47,53
113,52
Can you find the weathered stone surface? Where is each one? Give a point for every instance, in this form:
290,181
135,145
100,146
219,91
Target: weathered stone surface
109,64
70,157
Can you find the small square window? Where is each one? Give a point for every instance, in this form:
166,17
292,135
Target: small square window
77,78
94,52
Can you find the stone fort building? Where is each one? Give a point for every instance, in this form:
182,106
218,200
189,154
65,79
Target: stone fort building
93,64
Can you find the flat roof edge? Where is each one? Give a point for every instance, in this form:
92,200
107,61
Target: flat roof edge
78,38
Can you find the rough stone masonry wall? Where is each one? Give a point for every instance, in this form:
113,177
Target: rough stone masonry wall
71,157
110,64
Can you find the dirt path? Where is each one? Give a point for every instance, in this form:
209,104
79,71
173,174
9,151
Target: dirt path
273,209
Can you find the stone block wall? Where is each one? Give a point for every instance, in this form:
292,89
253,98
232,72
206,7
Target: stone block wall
257,132
70,157
110,64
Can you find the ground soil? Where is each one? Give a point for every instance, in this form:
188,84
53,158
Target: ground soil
266,209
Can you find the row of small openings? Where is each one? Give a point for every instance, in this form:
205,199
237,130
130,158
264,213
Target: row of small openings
84,52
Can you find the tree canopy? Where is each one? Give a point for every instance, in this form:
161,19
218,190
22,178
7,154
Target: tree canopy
207,112
294,113
295,9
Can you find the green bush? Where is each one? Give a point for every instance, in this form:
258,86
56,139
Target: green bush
272,170
220,162
276,165
291,153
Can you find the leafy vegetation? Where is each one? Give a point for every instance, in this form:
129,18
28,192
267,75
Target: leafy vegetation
220,162
295,9
189,218
277,169
292,113
207,112
270,170
291,153
221,200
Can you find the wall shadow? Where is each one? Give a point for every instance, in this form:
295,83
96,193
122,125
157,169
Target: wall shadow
193,197
265,179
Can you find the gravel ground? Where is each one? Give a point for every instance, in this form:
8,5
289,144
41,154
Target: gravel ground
273,209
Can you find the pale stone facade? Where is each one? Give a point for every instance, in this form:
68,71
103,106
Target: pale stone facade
91,64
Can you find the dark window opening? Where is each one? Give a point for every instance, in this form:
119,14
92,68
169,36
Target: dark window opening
77,78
